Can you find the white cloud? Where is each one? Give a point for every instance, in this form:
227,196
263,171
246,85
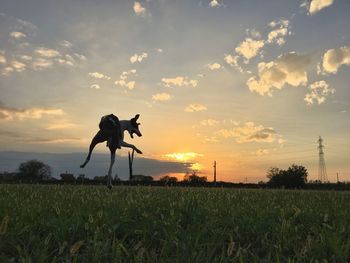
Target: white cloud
214,66
183,156
47,52
231,60
123,80
250,132
17,34
214,3
318,5
8,113
98,75
66,43
277,35
319,90
67,60
18,66
334,58
3,59
80,56
161,97
6,71
138,58
139,9
95,86
179,81
41,64
253,33
249,48
26,58
130,85
195,107
288,68
61,125
281,22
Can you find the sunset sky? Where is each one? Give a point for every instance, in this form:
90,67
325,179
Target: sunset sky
250,84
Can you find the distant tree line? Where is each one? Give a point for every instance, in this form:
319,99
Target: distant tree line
295,177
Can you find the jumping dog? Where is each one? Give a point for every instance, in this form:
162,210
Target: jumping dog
112,131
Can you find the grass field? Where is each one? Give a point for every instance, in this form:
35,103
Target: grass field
41,223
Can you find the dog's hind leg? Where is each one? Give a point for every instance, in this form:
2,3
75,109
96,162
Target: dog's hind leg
99,137
109,179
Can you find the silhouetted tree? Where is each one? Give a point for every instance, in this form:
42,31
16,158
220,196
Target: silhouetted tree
168,179
142,178
193,178
294,177
34,171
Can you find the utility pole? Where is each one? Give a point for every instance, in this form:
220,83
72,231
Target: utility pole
214,172
131,160
337,178
322,172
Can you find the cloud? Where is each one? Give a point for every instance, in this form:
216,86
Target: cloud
139,9
249,48
61,125
250,132
98,75
66,43
67,60
333,59
17,34
26,58
183,156
41,64
231,60
138,58
123,80
195,107
214,3
214,66
3,59
47,52
6,71
161,97
253,33
288,68
18,66
95,86
319,90
277,35
8,113
179,81
318,5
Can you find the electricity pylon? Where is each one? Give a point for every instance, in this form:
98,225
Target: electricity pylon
322,172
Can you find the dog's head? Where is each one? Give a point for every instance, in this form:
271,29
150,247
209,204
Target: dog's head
134,127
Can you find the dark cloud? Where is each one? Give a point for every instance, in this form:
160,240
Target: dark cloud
98,165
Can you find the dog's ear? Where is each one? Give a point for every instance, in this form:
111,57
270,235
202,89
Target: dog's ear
137,116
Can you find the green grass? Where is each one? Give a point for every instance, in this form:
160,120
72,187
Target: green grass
40,223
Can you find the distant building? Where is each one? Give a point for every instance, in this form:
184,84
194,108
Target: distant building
67,177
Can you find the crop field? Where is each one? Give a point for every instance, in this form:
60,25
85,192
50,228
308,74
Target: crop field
51,223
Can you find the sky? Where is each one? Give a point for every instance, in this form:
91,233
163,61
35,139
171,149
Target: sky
250,84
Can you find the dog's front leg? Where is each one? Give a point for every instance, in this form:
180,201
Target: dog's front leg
125,144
